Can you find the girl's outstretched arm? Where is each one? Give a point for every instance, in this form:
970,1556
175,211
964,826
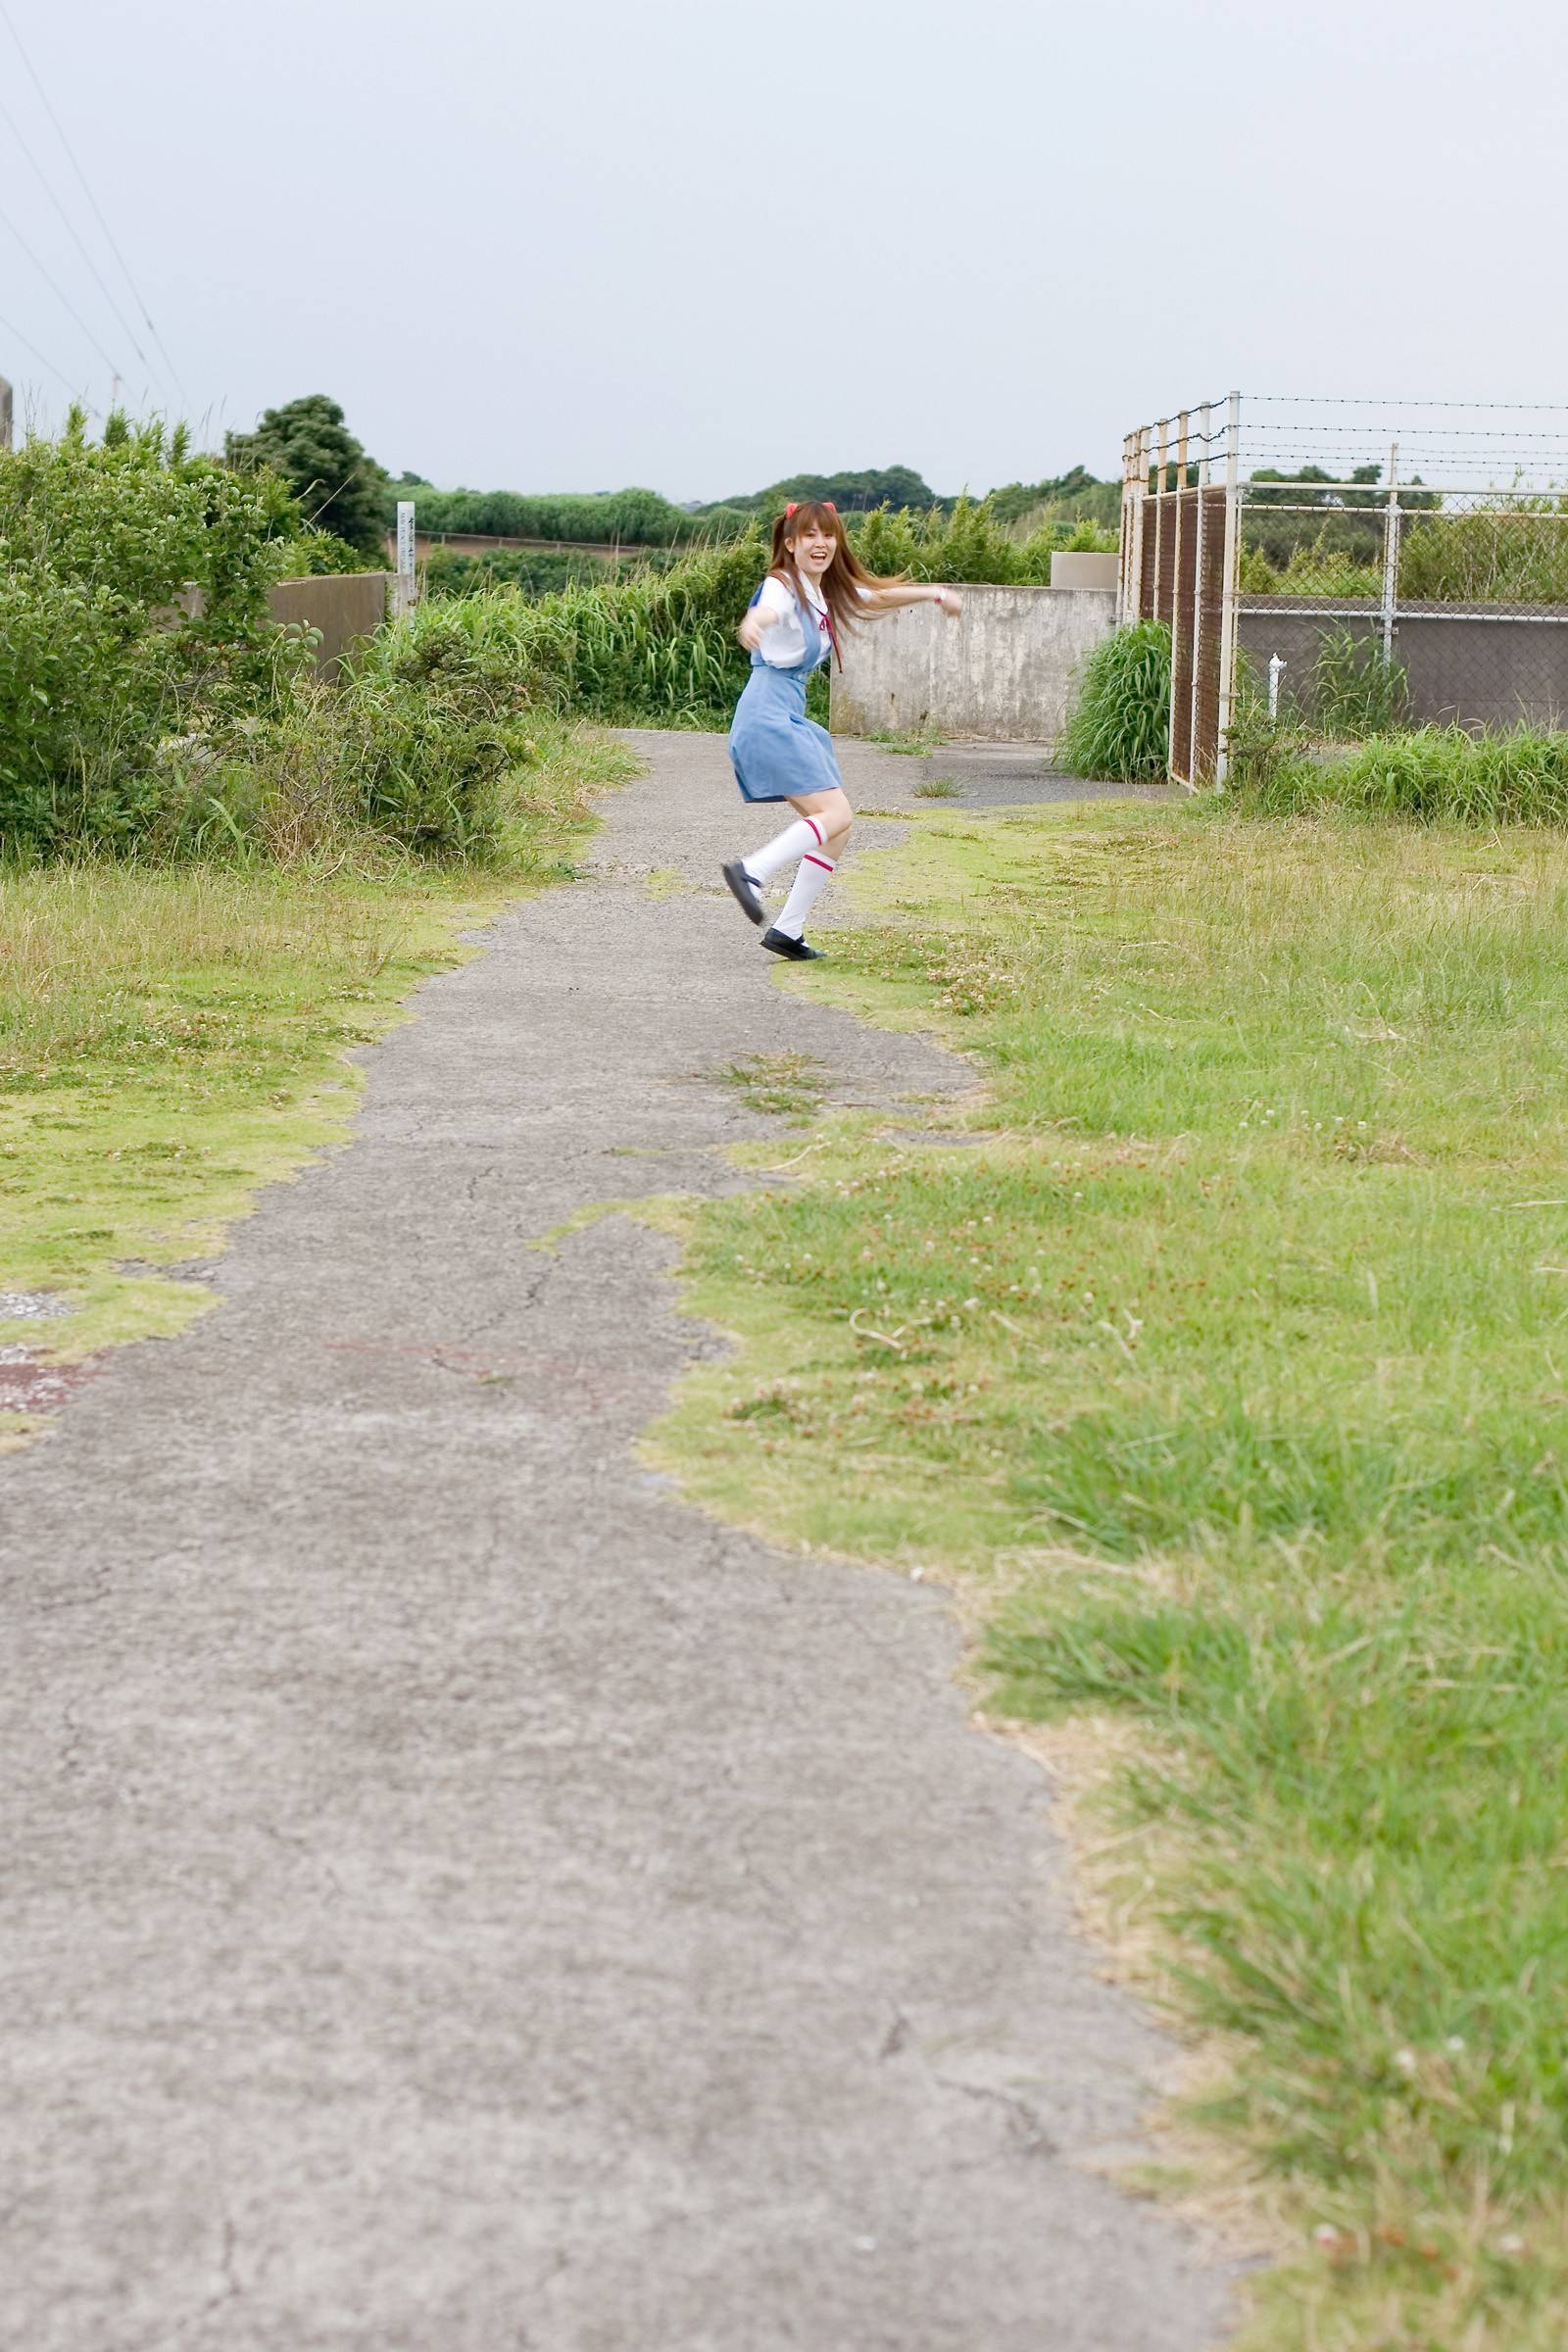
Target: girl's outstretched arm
912,592
756,625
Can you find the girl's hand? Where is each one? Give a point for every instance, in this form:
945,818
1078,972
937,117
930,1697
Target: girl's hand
754,627
950,602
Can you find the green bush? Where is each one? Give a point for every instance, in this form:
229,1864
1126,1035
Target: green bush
426,742
1433,775
1118,730
99,668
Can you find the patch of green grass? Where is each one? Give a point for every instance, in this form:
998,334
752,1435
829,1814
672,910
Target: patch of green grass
787,1085
173,1036
936,788
1229,1375
1431,775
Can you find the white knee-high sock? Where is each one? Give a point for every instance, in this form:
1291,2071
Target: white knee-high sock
783,850
811,880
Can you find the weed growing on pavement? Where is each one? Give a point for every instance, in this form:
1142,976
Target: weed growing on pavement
788,1085
915,742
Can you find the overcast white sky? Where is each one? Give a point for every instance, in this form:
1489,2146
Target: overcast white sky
701,244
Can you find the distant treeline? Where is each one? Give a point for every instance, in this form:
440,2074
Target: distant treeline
961,542
643,519
627,517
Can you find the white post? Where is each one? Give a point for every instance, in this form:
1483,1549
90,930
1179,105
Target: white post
1232,603
406,590
1276,668
1391,557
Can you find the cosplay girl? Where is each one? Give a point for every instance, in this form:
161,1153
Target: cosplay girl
816,591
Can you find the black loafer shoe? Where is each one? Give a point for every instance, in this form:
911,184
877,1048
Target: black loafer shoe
779,942
744,890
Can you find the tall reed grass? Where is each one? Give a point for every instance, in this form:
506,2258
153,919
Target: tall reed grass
1118,728
1433,775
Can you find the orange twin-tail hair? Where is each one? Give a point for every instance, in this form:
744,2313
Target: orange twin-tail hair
846,575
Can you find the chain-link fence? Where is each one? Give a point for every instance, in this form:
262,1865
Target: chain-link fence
1380,565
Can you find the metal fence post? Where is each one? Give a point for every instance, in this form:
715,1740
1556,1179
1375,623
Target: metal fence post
1200,502
1179,621
1231,596
1159,509
1391,557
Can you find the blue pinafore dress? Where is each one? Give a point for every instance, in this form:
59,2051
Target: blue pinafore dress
775,749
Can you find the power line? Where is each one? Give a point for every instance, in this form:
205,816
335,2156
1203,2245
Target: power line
44,362
93,202
108,358
44,183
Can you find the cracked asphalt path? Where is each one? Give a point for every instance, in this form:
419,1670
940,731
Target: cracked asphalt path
458,1898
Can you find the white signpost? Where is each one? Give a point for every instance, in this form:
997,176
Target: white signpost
404,594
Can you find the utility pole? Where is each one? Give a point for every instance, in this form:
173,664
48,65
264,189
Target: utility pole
5,414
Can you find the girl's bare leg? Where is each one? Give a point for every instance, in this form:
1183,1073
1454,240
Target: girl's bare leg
832,811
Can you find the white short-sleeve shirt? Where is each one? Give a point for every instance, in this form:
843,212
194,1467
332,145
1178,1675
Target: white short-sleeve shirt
783,646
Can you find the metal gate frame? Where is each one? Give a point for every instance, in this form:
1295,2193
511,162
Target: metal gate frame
1180,561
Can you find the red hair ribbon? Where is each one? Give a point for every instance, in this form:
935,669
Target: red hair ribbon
789,510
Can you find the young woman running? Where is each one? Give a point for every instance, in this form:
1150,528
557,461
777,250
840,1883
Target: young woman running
816,592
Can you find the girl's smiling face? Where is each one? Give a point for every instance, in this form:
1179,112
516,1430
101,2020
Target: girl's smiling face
813,550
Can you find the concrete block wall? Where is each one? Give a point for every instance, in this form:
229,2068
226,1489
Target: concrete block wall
1004,673
344,605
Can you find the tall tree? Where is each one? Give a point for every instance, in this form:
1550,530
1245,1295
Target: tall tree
339,486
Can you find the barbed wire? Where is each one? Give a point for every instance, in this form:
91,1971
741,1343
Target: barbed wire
1365,400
